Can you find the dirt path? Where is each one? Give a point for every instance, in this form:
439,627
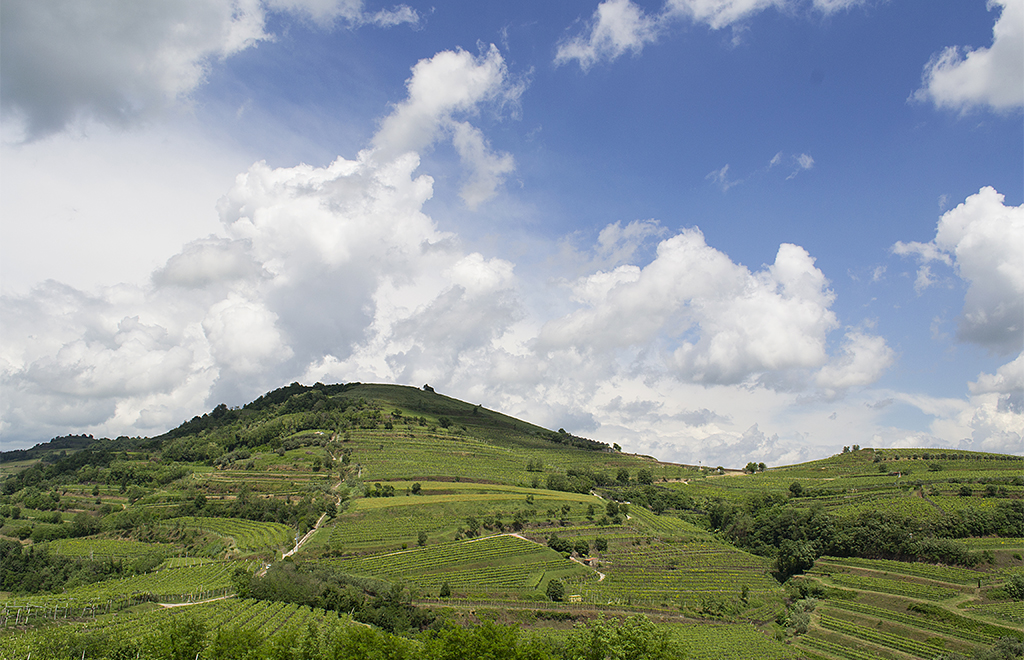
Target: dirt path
195,602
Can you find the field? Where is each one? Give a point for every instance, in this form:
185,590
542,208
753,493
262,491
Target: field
424,494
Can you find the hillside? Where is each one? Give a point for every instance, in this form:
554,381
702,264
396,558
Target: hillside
405,509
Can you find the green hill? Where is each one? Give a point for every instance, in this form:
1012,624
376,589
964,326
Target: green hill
314,508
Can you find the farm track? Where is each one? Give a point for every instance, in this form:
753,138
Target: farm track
195,602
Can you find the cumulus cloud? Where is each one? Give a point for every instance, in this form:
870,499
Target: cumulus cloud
1007,384
981,238
992,77
319,265
618,27
451,84
65,60
714,320
862,361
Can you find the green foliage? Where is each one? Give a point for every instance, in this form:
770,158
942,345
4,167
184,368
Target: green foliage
183,639
794,557
236,644
369,600
635,638
1014,587
555,590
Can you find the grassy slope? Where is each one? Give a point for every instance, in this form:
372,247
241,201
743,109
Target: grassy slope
477,468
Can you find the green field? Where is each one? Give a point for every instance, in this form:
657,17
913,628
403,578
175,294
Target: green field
407,493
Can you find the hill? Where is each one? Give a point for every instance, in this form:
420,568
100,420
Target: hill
411,511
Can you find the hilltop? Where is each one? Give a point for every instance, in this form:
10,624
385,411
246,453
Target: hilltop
404,508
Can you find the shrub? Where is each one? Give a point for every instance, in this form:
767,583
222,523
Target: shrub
555,590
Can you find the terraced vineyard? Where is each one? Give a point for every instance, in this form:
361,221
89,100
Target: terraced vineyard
246,535
949,624
383,470
928,571
504,564
118,549
172,585
388,522
270,619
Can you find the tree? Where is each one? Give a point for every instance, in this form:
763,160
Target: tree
796,489
555,590
645,476
794,557
237,644
601,543
421,539
761,467
446,590
750,468
183,638
623,476
1015,586
444,422
612,508
416,488
636,638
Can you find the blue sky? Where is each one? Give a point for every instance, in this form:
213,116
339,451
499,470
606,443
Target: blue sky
708,230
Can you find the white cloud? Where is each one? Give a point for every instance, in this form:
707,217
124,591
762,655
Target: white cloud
983,239
863,360
328,12
319,264
120,63
721,178
206,262
718,14
487,168
714,320
803,162
244,336
990,77
617,27
621,26
449,84
1007,384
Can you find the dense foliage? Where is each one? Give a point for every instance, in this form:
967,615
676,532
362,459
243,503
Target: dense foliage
769,525
376,602
30,571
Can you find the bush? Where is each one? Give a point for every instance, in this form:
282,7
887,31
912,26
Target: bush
555,590
1015,586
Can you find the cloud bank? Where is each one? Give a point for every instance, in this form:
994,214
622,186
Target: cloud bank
992,77
121,63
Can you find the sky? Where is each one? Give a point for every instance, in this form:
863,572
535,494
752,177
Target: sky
710,231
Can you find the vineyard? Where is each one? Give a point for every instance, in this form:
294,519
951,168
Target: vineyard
246,535
475,516
503,564
268,618
115,549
